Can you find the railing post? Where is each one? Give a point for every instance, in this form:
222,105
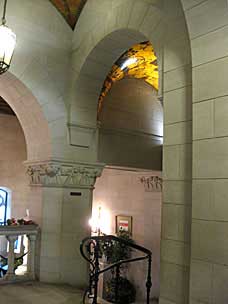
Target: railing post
11,258
117,279
31,256
96,273
148,282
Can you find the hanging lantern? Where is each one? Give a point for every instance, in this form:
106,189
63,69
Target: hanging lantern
7,44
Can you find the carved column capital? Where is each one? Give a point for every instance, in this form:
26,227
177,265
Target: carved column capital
57,173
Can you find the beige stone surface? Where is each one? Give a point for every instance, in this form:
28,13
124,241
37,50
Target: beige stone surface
65,224
177,162
178,105
171,163
36,293
220,275
178,133
177,78
205,48
176,192
210,158
201,287
188,4
132,104
175,252
179,46
209,51
210,200
210,87
203,247
203,120
120,192
176,222
206,17
220,117
174,283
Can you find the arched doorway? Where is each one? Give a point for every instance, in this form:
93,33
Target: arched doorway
92,60
24,137
30,116
130,117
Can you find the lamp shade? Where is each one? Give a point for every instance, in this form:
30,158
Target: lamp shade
7,45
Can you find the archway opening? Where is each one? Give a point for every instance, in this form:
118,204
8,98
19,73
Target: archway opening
175,67
130,119
13,154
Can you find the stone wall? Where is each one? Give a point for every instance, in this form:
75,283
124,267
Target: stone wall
208,26
120,192
131,126
12,170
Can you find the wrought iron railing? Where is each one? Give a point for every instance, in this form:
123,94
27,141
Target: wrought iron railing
90,249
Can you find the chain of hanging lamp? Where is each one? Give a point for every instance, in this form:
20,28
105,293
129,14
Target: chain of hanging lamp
4,13
7,43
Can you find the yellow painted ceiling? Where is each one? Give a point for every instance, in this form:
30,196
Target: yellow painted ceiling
70,9
140,62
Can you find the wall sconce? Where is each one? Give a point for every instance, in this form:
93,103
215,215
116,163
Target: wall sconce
95,222
7,43
100,221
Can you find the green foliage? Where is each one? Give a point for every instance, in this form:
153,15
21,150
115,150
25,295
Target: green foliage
18,262
126,291
115,251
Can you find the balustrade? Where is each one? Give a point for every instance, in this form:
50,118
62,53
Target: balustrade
9,257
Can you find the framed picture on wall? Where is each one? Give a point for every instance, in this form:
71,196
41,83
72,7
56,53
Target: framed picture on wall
124,223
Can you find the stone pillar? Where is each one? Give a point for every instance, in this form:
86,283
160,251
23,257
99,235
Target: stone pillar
177,160
10,273
31,256
67,205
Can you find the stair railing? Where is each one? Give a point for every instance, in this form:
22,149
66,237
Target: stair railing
90,249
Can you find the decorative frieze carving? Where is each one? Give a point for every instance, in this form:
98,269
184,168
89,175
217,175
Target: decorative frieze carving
151,183
63,174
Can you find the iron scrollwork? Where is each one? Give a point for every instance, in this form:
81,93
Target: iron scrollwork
90,249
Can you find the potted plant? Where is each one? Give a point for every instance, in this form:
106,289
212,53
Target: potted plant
115,251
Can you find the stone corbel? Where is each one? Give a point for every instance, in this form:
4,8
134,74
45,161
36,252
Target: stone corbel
58,173
152,183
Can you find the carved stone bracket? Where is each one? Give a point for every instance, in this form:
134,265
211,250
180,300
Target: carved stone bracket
63,174
152,183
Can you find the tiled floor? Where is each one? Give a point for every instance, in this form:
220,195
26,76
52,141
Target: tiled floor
38,293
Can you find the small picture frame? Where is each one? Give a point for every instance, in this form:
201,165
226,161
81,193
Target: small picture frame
124,224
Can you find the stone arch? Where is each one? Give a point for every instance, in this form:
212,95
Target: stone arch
96,68
163,23
30,116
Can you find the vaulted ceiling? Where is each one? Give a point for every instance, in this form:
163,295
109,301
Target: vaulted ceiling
139,62
69,9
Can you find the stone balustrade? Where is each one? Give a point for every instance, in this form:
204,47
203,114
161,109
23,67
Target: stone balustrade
11,234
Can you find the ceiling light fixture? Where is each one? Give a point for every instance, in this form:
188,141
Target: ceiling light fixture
128,62
7,43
